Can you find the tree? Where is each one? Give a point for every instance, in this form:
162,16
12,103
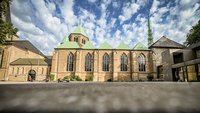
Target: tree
6,28
194,35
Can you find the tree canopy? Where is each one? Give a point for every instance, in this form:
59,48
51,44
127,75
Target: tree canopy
6,28
194,35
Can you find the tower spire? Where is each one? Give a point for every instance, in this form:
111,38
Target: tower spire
150,37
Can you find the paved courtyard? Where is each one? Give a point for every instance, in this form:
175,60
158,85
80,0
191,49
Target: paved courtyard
117,97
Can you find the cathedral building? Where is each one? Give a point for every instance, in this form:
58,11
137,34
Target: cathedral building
76,55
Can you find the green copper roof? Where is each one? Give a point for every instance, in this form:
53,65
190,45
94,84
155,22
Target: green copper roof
140,46
122,45
79,29
105,45
66,44
88,45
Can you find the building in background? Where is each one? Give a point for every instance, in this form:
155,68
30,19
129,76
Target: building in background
186,63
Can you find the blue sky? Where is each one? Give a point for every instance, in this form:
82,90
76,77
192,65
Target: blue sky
46,22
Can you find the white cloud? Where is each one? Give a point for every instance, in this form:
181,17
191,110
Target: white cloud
178,22
25,26
128,11
45,29
92,1
115,4
67,12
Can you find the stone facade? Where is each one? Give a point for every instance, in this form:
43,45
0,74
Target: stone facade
19,72
59,64
20,60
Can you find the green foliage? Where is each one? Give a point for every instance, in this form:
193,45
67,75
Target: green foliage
194,35
50,77
6,28
74,78
66,78
89,78
4,7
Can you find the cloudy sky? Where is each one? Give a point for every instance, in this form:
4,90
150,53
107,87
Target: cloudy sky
46,22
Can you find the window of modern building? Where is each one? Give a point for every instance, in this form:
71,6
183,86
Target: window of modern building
191,73
106,62
70,62
88,62
124,62
198,53
178,58
198,76
141,62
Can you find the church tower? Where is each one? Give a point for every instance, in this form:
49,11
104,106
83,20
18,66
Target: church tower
79,36
150,37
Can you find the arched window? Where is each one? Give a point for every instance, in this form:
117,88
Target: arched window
18,70
42,71
70,62
106,62
141,62
124,62
88,62
22,70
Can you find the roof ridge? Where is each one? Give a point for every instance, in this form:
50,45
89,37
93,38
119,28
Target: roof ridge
140,46
122,45
105,45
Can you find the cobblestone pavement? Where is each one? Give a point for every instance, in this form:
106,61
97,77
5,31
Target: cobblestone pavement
116,97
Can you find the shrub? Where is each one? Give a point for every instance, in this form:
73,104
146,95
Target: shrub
89,78
66,78
50,77
75,78
78,78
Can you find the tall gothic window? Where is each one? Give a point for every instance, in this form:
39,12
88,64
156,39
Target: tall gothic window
88,62
124,62
141,62
70,62
106,61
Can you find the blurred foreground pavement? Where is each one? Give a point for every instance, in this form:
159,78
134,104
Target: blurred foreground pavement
91,97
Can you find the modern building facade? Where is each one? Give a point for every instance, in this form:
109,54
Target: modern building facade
186,63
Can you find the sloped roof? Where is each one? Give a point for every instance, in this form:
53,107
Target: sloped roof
122,45
88,45
164,42
140,46
67,44
31,61
79,29
25,45
105,45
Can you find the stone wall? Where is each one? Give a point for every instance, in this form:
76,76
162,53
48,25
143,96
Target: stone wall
20,72
12,53
59,64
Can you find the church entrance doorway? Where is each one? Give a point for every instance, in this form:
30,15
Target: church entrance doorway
31,75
